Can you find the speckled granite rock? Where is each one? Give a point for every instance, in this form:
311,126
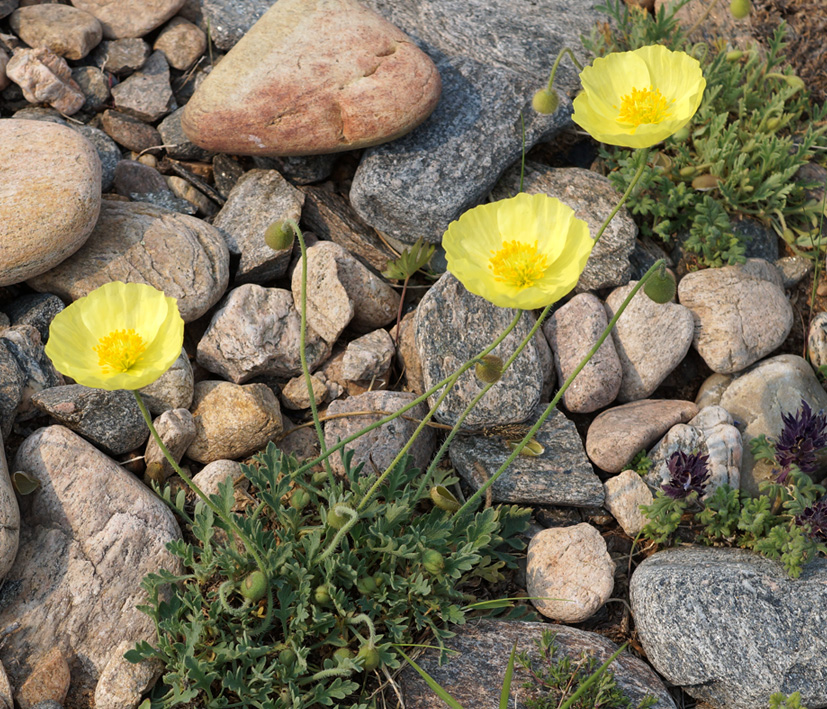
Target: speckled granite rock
772,639
474,674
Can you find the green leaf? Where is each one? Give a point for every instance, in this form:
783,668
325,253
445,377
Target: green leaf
24,483
409,262
432,683
509,671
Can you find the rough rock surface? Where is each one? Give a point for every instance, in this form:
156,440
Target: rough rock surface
569,573
771,640
625,493
89,535
9,517
358,81
146,94
561,475
446,309
184,257
232,421
177,430
572,330
51,185
67,31
474,673
256,331
651,339
741,313
132,20
172,390
616,435
380,446
45,77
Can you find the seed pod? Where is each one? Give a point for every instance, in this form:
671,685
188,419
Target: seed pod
254,586
740,8
734,55
660,286
705,183
532,449
321,595
443,498
773,124
287,656
433,562
545,101
369,656
366,586
299,499
489,369
279,236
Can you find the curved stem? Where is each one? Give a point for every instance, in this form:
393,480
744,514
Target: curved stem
334,543
455,429
314,411
642,155
564,50
372,491
418,400
251,549
472,501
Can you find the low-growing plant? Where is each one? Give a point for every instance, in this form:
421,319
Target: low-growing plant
786,521
782,701
343,588
739,154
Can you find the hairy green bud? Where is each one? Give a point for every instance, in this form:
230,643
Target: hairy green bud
681,134
545,101
433,562
740,8
287,656
366,586
369,656
660,286
254,586
489,369
299,499
336,520
734,55
343,653
279,236
321,595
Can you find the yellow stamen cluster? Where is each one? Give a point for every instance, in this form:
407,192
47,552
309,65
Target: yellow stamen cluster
643,106
518,264
119,350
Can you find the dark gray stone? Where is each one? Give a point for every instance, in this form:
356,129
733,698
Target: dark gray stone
592,198
121,56
94,85
109,419
108,152
644,255
301,170
226,173
24,343
40,113
474,674
794,269
731,627
226,21
417,185
522,36
760,241
147,94
35,309
48,704
133,177
176,143
562,475
452,326
7,7
12,381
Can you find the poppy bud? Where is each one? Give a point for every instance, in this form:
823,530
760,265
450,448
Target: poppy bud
545,101
660,286
279,236
433,562
369,656
740,8
254,586
489,369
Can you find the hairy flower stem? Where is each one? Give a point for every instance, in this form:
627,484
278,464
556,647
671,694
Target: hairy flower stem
229,521
456,427
334,543
474,499
314,410
433,390
450,385
564,50
642,155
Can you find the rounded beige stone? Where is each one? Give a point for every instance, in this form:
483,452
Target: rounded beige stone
569,572
50,194
129,19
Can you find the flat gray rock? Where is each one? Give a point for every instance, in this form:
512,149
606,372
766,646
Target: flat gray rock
562,475
228,20
474,674
417,185
731,628
89,535
452,326
108,152
146,94
110,419
592,198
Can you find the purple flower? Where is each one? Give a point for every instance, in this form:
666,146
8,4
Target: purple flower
689,474
816,517
804,433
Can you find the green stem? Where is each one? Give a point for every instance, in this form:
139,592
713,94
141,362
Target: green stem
251,549
334,543
453,432
452,380
559,395
642,155
418,400
564,50
314,411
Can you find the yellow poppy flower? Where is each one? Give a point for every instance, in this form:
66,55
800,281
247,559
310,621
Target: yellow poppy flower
524,252
120,336
636,99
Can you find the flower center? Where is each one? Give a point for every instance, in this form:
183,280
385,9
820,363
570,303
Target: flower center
519,264
119,350
643,106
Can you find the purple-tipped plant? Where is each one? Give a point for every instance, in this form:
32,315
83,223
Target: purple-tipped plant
804,434
816,517
689,473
